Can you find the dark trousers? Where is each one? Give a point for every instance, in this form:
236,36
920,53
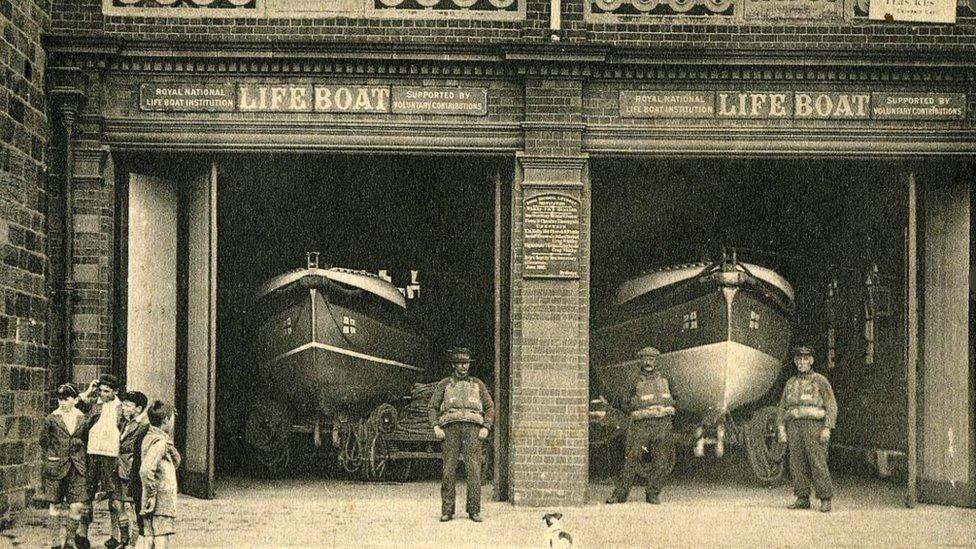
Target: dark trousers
808,459
651,437
461,436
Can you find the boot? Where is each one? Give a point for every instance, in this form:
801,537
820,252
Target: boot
124,535
652,498
445,518
825,505
800,503
112,543
617,497
81,542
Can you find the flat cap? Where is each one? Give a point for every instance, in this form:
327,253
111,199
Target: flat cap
459,354
648,351
110,380
801,350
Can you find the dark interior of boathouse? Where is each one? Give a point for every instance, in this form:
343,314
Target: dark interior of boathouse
375,213
814,221
819,223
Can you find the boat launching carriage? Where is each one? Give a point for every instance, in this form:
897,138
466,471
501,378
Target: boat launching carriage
724,331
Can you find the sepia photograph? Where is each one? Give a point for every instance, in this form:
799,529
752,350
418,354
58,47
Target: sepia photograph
487,273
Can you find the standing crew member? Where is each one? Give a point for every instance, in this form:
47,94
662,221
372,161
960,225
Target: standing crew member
807,412
651,408
461,412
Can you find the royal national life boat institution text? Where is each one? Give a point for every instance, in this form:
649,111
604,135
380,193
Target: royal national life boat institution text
318,98
792,105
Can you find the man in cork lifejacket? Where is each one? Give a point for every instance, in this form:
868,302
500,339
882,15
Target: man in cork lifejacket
807,413
651,408
461,412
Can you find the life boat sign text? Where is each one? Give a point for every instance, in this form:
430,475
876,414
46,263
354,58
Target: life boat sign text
793,105
307,98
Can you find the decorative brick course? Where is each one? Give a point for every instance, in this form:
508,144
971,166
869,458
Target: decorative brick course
81,17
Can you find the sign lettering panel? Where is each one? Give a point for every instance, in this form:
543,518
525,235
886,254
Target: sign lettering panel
918,106
667,104
186,97
930,11
450,101
772,105
551,240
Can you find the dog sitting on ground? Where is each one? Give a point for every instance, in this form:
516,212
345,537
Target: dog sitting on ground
555,535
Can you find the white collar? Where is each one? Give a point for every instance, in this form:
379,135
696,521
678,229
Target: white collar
73,412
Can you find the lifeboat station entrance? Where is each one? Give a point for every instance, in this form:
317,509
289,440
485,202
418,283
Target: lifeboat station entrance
527,190
204,235
829,254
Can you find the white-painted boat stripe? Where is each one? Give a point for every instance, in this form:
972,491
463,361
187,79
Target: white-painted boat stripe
347,352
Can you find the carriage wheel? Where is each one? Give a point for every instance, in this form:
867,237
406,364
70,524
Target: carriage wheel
268,432
348,456
403,468
764,451
379,456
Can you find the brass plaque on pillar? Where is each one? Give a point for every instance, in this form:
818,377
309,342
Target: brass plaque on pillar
551,236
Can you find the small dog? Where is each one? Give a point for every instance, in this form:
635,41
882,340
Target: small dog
554,531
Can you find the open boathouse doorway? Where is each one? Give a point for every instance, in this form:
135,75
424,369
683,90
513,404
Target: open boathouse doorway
201,235
866,260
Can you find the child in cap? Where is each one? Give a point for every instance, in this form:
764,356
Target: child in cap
160,459
134,429
63,441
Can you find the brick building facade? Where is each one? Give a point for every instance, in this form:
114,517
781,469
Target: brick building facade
553,110
23,237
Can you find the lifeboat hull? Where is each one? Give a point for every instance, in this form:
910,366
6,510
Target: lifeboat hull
720,349
327,353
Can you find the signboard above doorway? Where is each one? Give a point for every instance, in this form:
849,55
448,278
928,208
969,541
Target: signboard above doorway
313,97
800,105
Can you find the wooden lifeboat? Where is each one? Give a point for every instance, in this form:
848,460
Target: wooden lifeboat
723,329
335,341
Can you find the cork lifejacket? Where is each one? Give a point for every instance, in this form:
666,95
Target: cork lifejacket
803,399
652,398
462,402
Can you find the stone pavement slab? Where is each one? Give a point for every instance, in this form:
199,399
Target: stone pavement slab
694,513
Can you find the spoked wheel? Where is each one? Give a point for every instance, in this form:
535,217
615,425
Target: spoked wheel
348,448
402,469
268,432
379,456
764,450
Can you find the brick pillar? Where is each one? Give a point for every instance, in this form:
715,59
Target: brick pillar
548,450
86,279
93,222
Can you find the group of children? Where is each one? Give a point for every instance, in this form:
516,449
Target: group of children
96,441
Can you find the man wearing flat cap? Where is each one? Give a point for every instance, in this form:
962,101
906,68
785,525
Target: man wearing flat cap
651,409
807,413
461,412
